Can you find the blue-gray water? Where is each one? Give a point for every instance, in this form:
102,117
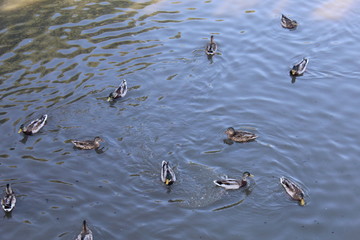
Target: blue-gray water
63,58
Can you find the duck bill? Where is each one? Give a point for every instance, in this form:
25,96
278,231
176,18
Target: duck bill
20,130
251,175
167,181
108,99
302,202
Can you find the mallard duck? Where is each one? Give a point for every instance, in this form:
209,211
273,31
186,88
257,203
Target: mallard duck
9,200
167,174
211,47
299,68
34,126
88,144
118,92
293,190
240,136
85,233
288,23
229,183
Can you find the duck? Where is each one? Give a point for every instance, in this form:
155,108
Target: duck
119,92
230,183
294,191
85,233
88,144
299,68
34,126
288,23
240,136
9,200
211,47
167,174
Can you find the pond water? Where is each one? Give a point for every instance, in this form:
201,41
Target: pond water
63,58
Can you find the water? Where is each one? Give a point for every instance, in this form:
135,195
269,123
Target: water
64,58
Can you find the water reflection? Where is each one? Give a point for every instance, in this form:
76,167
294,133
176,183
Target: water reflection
334,9
24,139
11,5
7,215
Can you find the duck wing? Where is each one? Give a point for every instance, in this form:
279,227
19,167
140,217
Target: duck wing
8,203
9,200
122,89
287,22
167,172
229,183
87,144
211,48
37,124
291,188
301,66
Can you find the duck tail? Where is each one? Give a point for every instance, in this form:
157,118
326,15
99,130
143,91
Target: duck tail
84,226
8,189
44,117
217,182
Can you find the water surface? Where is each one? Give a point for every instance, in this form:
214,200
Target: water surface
63,58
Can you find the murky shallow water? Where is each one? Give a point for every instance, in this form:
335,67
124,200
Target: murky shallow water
63,59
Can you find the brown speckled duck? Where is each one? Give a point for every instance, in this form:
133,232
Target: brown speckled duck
240,136
88,144
288,23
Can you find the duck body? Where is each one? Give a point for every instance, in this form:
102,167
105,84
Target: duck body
34,126
294,191
299,68
85,233
211,47
230,183
288,23
9,200
88,144
167,174
119,92
240,136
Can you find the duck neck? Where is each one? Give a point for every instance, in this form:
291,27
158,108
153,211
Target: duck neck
243,182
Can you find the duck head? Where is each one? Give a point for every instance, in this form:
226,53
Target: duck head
230,131
22,128
98,139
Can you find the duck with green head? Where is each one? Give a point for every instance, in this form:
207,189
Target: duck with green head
230,183
9,200
119,92
34,126
167,174
294,191
211,47
299,68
